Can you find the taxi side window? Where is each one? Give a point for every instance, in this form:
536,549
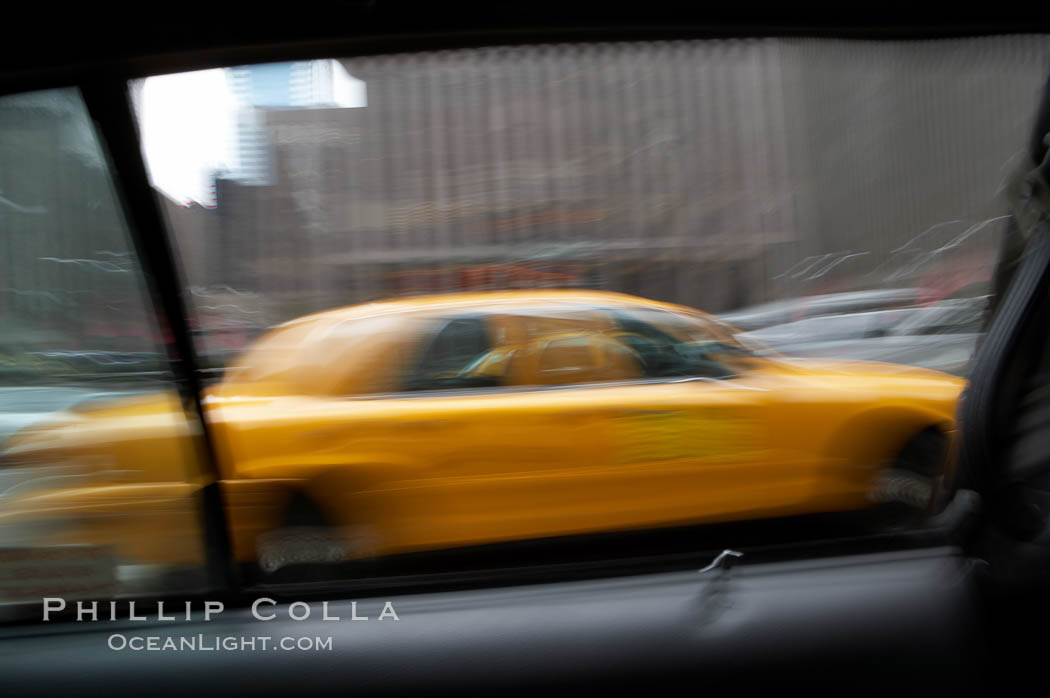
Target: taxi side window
568,360
563,344
668,346
586,357
451,356
107,503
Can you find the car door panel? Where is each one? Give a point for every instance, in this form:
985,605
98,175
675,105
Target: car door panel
700,450
878,624
494,468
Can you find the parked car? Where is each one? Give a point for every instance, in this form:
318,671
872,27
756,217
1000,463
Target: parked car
941,336
794,309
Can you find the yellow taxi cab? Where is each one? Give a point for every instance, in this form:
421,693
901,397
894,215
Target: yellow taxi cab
442,421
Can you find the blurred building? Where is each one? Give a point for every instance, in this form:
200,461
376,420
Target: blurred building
300,84
80,286
497,169
716,174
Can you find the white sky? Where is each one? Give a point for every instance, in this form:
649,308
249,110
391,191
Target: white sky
186,121
187,125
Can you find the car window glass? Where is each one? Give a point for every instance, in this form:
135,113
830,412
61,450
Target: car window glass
588,357
672,345
100,470
568,359
452,357
561,344
533,189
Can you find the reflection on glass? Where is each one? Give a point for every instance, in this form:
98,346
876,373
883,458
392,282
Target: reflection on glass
732,227
98,476
499,295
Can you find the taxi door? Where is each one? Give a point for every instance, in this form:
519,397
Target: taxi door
509,441
692,441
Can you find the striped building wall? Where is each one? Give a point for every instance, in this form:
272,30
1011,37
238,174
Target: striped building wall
713,173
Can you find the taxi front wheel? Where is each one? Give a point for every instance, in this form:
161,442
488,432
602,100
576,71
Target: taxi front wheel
296,545
307,543
909,491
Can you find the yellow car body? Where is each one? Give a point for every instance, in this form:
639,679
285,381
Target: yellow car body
571,416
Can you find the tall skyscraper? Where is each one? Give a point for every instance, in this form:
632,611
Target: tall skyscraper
300,84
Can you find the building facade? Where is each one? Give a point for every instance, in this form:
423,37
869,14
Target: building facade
716,174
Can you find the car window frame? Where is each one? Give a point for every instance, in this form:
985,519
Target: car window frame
104,85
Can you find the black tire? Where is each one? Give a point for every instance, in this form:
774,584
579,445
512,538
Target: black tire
911,489
301,511
310,548
303,548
